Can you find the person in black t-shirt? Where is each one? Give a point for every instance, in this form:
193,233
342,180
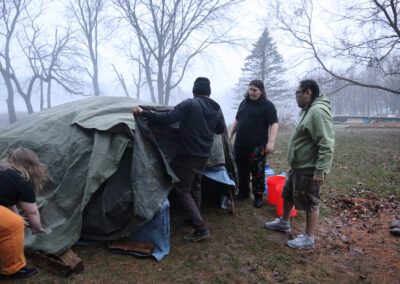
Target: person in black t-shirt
256,127
199,119
21,175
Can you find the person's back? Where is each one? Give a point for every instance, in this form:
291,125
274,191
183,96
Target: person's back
197,128
200,118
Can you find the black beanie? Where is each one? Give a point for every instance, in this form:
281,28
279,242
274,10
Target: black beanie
201,87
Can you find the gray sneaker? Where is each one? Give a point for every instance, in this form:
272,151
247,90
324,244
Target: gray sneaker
395,224
302,242
278,224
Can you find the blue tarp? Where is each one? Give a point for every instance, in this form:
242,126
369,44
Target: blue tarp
219,174
157,232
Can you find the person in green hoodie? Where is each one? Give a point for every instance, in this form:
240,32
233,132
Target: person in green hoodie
310,153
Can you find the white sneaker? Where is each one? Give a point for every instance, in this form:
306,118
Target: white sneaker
302,241
278,224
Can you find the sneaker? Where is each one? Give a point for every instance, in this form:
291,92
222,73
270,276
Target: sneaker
302,241
197,235
22,273
258,203
395,224
395,231
278,224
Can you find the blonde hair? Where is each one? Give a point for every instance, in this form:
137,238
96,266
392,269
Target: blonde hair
27,163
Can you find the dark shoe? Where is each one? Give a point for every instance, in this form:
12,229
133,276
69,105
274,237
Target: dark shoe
395,231
197,235
21,274
258,203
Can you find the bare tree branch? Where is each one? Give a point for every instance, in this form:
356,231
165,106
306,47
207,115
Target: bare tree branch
379,42
88,14
170,34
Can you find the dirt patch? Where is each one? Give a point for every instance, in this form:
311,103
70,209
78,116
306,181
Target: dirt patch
355,238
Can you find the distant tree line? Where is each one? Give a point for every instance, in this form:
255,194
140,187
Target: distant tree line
161,39
357,62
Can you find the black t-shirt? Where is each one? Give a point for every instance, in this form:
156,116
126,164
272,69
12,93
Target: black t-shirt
14,188
254,119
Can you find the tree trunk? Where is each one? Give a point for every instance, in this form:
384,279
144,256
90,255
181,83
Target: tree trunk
12,116
28,104
41,96
167,95
160,83
95,80
49,94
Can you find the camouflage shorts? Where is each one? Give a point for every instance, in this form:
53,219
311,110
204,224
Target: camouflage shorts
302,190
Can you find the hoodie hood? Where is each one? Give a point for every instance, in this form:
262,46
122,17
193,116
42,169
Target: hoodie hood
322,102
210,107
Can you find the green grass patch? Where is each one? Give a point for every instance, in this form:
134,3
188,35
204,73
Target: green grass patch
240,250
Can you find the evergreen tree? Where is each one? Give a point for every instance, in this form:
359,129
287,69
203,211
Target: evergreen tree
264,63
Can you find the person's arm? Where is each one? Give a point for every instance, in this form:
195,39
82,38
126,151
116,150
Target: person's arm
272,133
166,117
32,214
220,127
233,129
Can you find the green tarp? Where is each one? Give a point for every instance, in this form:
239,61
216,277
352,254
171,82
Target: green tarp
105,179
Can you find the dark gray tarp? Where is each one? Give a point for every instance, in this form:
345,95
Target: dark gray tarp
105,179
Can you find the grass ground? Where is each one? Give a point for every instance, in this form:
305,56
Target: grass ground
361,197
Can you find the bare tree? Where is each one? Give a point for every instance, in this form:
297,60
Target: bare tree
121,80
47,61
54,61
88,15
367,33
11,14
137,77
172,32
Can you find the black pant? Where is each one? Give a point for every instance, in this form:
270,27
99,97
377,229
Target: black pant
189,170
251,161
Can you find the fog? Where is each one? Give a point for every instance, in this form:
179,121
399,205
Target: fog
221,63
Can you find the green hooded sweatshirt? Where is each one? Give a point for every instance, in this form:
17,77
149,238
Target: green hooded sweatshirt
311,143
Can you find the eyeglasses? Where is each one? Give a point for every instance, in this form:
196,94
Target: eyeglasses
298,93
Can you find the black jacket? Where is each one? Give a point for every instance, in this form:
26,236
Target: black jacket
200,118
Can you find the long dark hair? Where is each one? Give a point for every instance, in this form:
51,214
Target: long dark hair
27,163
259,85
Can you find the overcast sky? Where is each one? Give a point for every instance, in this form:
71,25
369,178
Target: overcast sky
221,64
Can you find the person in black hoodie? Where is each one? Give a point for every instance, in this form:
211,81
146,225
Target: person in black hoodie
200,118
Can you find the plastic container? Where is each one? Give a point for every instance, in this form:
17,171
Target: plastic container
279,202
268,172
272,182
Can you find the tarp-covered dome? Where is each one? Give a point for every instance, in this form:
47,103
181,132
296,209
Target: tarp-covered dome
105,179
